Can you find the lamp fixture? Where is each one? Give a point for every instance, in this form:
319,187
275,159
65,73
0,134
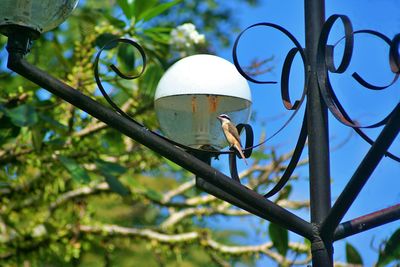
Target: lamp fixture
34,15
193,92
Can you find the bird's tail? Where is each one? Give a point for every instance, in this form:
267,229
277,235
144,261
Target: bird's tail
239,149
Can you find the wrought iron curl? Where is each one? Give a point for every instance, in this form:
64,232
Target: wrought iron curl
358,78
108,45
285,74
394,54
285,95
247,153
325,64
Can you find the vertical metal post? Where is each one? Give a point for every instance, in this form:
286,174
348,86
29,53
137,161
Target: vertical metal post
318,143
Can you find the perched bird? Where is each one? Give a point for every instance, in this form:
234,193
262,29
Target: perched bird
231,134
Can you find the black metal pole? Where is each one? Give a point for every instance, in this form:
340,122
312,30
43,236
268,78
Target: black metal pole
318,140
367,222
271,211
363,172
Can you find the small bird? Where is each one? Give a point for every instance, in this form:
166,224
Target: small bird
231,134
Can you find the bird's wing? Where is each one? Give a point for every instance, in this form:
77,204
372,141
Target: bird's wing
234,132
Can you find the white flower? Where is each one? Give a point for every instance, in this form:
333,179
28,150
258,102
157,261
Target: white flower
185,36
197,38
39,231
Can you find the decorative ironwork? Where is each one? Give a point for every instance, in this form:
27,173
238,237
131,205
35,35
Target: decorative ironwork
109,45
285,74
325,64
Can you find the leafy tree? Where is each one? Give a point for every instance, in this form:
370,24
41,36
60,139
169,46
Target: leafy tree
76,193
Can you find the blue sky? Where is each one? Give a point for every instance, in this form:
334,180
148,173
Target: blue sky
370,61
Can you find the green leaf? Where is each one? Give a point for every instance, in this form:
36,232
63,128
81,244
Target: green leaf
259,155
78,173
126,6
391,252
110,171
157,10
352,255
135,184
174,167
127,56
150,80
162,38
110,168
104,38
56,143
285,192
279,237
158,30
116,185
23,115
37,135
153,194
8,131
53,124
141,6
114,21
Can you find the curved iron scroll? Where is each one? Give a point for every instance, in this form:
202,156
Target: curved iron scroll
284,76
394,54
247,151
301,141
108,45
285,95
325,64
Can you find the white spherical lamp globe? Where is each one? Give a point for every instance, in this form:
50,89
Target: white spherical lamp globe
193,92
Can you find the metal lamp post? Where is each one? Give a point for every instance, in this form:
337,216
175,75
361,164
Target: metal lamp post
325,226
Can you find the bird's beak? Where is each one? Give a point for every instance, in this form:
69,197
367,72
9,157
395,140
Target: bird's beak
219,118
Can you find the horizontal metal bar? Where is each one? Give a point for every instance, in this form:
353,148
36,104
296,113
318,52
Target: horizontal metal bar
367,222
362,174
272,211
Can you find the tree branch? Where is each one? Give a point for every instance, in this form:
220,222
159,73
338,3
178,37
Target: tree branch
82,191
177,191
196,236
175,217
115,230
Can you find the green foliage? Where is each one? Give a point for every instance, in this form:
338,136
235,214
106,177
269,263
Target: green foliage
63,173
352,255
127,8
155,10
259,155
77,172
391,250
22,115
279,237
